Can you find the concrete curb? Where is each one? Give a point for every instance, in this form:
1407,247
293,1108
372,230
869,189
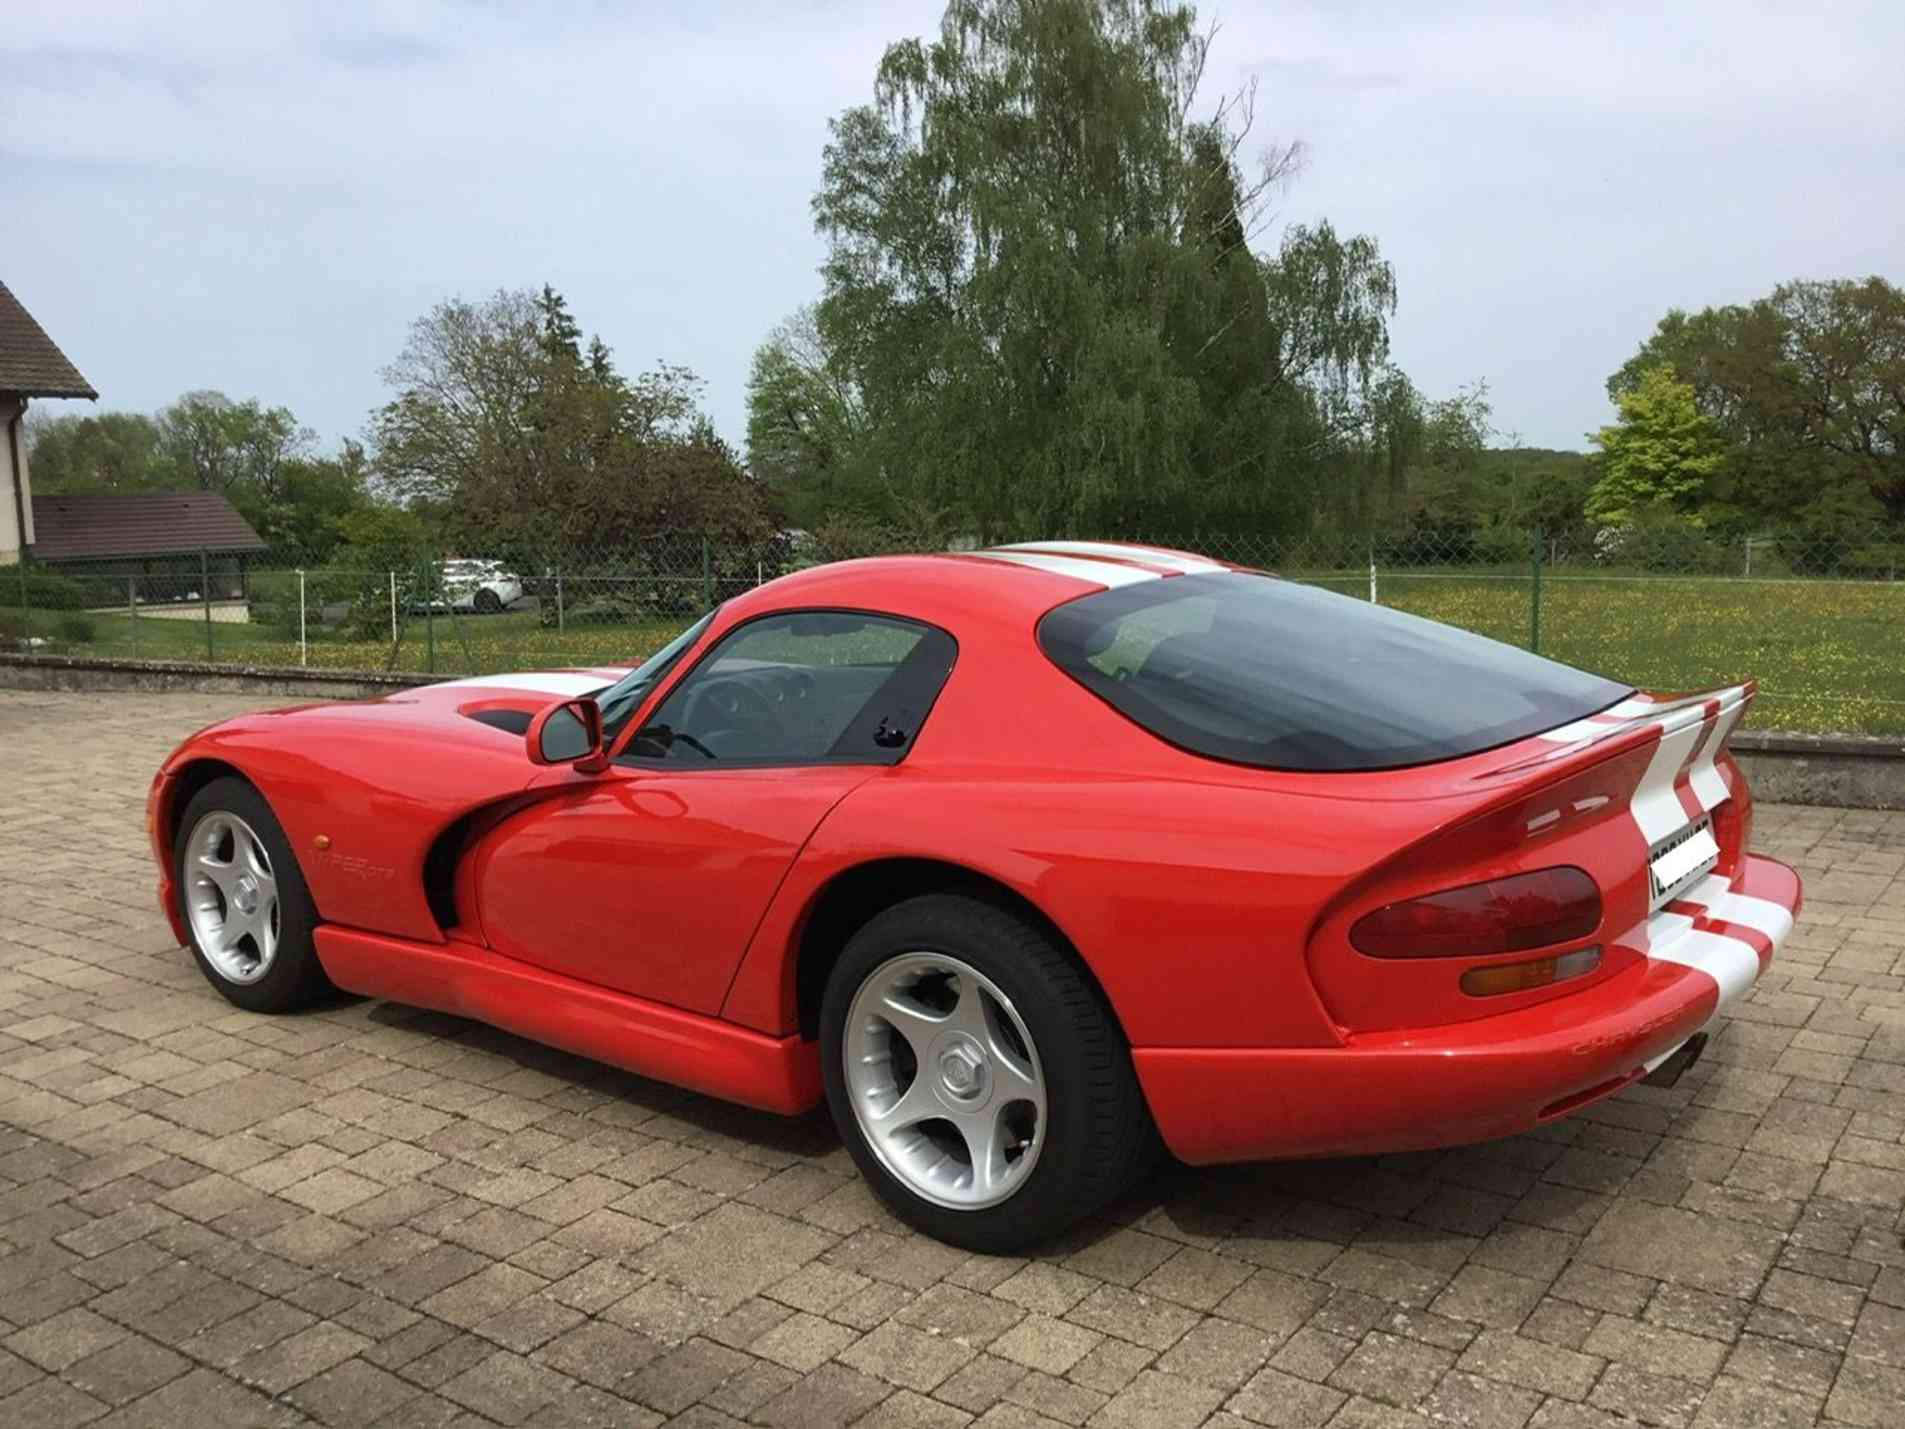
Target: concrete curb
1847,771
84,672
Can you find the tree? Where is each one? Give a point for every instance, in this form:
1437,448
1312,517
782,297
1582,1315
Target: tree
1658,459
806,424
1845,358
1039,285
1806,388
108,451
304,517
220,445
523,443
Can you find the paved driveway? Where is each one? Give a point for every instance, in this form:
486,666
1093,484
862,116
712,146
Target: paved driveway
370,1215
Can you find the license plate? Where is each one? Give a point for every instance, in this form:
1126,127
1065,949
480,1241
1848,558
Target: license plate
1684,859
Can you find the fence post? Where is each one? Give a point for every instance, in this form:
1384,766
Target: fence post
561,628
707,576
393,610
1749,558
132,608
205,590
1534,604
26,608
1372,574
303,647
430,619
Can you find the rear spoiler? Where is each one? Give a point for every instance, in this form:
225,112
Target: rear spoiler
1687,734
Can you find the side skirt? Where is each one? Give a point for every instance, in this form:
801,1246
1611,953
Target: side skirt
704,1054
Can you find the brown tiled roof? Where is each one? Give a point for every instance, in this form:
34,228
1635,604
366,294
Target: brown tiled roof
100,526
29,362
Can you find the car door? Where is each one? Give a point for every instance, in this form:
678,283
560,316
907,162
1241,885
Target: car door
651,877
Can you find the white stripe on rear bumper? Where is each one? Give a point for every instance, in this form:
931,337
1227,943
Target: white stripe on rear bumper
1729,962
1762,915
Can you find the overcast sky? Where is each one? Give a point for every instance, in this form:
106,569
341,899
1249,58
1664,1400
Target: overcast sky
260,198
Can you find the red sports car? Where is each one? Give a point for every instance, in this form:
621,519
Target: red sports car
1022,860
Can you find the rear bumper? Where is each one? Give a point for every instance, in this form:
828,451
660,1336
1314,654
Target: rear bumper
1419,1088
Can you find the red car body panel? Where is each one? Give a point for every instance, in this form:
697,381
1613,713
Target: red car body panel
649,882
1409,1090
653,916
704,1054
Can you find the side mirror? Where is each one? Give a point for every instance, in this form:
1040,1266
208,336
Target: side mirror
569,732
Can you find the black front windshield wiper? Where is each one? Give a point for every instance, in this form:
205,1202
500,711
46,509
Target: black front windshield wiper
667,738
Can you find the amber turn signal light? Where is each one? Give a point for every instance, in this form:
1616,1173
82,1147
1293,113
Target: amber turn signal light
1525,977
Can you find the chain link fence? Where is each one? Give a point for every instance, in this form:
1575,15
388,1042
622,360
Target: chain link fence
1819,619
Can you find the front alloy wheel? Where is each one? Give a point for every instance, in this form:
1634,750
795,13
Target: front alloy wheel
231,897
244,900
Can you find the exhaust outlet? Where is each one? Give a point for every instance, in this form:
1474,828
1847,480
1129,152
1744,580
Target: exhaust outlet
1675,1067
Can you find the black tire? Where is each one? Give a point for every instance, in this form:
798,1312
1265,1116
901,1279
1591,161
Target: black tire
1099,1136
295,978
488,602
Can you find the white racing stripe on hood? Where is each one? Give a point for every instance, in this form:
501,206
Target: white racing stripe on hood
1167,560
554,683
1104,573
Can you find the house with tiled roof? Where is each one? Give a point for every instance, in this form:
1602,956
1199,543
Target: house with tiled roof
31,365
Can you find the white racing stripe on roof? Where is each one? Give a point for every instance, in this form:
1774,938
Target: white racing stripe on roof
551,682
1105,573
1168,560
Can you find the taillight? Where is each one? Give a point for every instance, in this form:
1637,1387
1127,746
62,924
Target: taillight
1502,915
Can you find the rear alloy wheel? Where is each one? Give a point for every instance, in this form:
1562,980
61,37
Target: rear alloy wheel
245,903
488,602
977,1076
945,1082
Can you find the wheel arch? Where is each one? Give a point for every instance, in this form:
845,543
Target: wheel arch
184,784
855,896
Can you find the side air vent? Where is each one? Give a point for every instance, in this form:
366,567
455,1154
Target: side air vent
508,721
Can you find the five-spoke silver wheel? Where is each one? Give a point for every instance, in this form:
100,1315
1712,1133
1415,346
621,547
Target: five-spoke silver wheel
944,1080
231,897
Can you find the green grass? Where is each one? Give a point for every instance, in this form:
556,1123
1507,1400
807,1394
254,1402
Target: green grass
1829,655
446,645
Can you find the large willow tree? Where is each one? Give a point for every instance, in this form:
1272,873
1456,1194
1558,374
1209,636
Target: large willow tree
1040,290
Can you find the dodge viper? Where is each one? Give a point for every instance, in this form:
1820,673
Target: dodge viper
1029,862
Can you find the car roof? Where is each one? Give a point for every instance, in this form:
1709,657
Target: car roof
1027,578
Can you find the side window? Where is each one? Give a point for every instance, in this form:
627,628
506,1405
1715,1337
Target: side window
805,688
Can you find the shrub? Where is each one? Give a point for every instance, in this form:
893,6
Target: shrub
76,628
42,589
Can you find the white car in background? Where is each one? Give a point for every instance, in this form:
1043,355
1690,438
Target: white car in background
485,587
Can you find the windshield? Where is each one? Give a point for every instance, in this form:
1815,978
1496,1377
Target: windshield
1267,672
621,699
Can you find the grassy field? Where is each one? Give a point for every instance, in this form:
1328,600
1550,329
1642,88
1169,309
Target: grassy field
1829,655
447,645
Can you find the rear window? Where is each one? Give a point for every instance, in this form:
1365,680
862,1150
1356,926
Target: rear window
1261,671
